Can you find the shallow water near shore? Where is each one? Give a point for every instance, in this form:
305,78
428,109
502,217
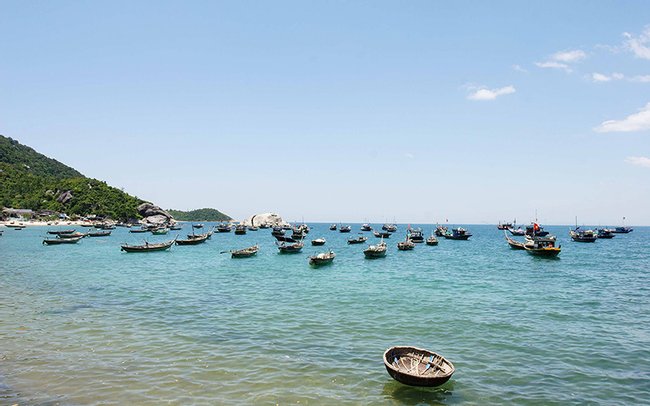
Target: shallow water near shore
87,323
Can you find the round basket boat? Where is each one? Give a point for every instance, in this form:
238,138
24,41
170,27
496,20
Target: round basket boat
417,367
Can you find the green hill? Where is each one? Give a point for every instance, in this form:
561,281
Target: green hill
24,158
30,180
199,215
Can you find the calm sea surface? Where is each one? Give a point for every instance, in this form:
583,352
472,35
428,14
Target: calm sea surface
86,323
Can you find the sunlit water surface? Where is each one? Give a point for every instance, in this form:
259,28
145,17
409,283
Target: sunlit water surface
87,323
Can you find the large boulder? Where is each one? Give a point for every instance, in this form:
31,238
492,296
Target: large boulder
271,219
64,197
149,210
156,220
153,214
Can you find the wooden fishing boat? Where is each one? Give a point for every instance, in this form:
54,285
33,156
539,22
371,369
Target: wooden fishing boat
432,240
391,228
175,227
375,251
223,228
57,241
71,235
59,232
359,240
282,238
277,231
253,228
245,253
441,231
542,246
15,225
415,235
345,229
366,227
405,245
290,248
623,229
514,244
240,229
139,230
318,241
458,234
536,230
504,226
578,235
102,233
605,233
417,367
381,234
297,234
160,231
323,258
199,225
146,247
333,227
193,239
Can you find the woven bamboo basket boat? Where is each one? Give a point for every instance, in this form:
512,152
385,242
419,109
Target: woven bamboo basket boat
417,367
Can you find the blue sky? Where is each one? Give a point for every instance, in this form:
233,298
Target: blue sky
342,111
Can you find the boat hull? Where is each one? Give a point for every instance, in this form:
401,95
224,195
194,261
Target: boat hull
148,247
374,254
543,252
60,241
430,370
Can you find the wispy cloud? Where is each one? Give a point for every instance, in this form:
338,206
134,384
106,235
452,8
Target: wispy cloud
553,65
640,79
569,56
518,68
563,59
639,45
638,161
484,93
638,121
601,77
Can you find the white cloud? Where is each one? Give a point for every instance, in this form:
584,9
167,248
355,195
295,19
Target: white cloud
638,160
569,56
638,45
409,155
490,94
518,68
562,59
554,65
639,121
640,79
600,77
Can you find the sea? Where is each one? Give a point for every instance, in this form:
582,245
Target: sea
89,324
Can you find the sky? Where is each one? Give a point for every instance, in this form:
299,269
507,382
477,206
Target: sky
418,111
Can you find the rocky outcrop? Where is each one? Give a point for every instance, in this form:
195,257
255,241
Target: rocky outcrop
65,197
271,219
153,214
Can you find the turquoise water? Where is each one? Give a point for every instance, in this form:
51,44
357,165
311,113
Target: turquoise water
87,323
